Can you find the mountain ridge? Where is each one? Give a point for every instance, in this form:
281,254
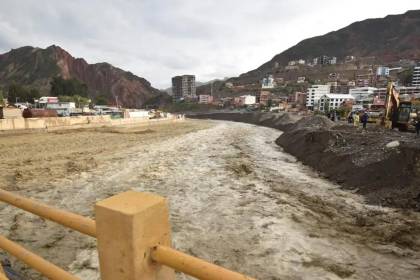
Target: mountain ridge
35,67
387,39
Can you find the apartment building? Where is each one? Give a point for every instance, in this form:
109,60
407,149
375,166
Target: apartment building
413,92
205,99
314,93
330,102
416,77
183,86
363,95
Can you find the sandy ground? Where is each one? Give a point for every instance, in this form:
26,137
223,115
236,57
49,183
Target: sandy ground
236,199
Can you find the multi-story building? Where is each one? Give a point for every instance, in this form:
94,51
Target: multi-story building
413,92
332,60
382,71
268,82
244,100
300,98
183,86
300,80
205,99
416,77
329,102
363,95
264,97
314,93
323,60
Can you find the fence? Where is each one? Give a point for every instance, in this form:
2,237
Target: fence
133,235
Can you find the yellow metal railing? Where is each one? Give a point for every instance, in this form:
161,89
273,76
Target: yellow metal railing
145,249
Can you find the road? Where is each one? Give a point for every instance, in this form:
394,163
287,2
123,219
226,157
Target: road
236,199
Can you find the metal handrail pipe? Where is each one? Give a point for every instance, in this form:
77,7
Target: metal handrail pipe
67,219
46,268
193,266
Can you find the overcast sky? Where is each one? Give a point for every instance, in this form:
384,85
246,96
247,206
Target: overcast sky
158,39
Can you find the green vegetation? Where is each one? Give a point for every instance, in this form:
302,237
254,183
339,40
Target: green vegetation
101,100
1,98
18,93
70,87
79,100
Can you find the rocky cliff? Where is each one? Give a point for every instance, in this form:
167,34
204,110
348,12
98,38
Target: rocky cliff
35,67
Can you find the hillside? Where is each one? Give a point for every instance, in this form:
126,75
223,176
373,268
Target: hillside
35,67
386,40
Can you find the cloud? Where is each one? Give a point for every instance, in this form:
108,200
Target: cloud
157,39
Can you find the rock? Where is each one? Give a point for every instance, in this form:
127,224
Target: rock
392,144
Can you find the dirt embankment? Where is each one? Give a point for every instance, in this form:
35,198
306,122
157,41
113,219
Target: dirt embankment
357,160
279,121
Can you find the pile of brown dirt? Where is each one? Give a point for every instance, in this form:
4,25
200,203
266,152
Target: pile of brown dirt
360,160
281,121
313,122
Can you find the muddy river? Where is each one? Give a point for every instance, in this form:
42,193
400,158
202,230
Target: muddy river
238,200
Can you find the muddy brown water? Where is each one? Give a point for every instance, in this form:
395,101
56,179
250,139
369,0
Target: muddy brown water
238,200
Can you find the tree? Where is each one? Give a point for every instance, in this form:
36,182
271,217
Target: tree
101,100
80,101
1,98
33,94
70,87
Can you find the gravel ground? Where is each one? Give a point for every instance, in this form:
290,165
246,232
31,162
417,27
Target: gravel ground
235,197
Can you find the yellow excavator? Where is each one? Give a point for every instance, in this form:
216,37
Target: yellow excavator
400,110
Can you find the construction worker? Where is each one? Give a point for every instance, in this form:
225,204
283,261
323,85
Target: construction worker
350,117
364,119
356,119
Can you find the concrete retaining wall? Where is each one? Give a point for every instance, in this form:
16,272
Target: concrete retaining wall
76,122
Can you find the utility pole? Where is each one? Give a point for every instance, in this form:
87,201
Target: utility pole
116,100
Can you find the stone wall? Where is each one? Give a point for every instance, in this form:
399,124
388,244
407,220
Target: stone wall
76,122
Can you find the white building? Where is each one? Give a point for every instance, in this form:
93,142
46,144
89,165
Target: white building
63,108
301,61
300,80
382,71
333,60
330,101
363,95
205,99
268,82
314,93
416,77
47,99
245,100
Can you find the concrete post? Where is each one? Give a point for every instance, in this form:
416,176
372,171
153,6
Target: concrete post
2,274
128,226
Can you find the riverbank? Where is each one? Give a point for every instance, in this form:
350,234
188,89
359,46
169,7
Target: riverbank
358,161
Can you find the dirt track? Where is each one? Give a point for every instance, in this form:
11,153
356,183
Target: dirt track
236,199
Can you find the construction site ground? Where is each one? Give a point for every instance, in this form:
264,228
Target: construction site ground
236,199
